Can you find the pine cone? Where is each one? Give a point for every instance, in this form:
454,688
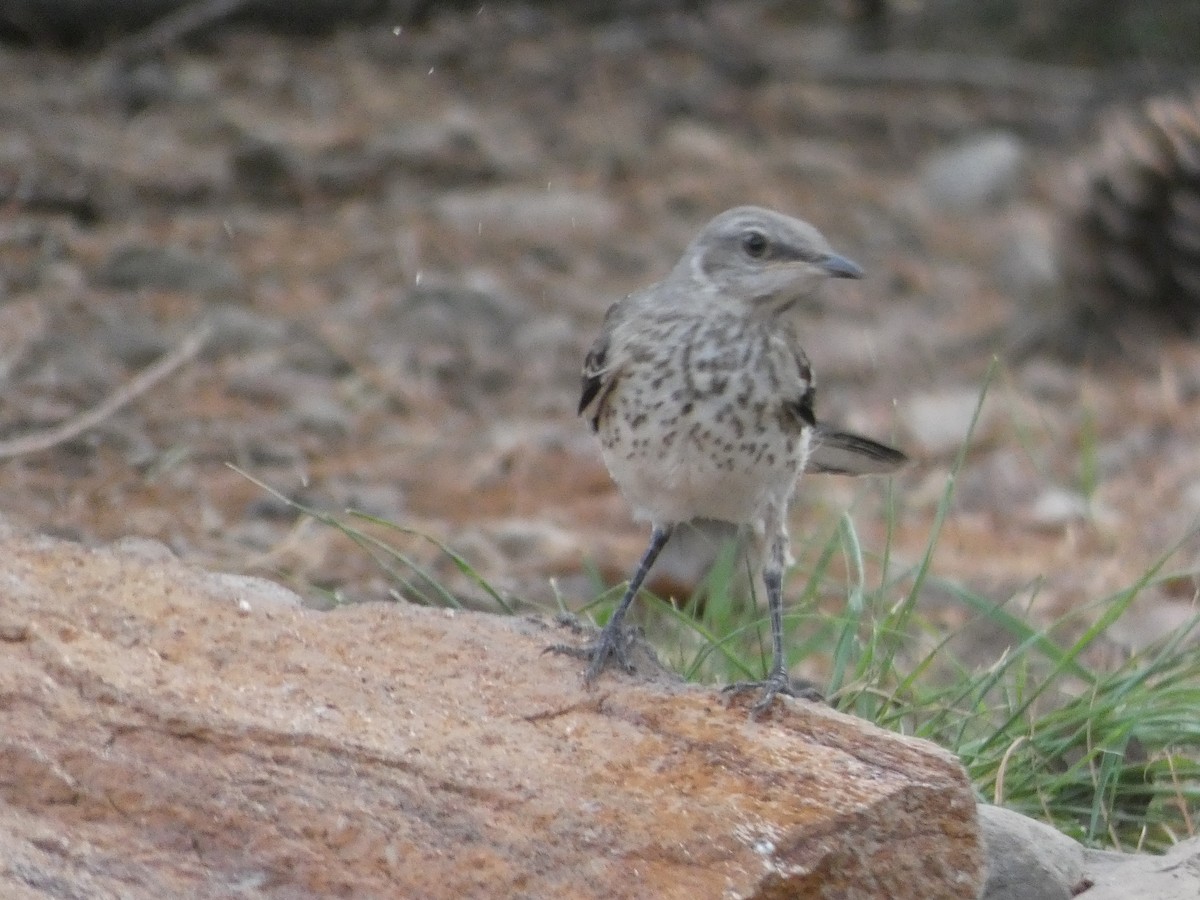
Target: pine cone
1132,245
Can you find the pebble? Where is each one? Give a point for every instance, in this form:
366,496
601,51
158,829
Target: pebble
250,593
1156,618
545,212
1027,859
939,420
459,147
1028,263
136,266
1056,507
238,329
1175,875
328,416
268,170
982,172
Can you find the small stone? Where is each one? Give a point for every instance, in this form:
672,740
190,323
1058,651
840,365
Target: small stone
547,213
940,420
138,266
693,142
268,170
323,414
457,148
250,593
1173,876
1027,859
23,324
237,329
143,549
135,341
14,632
1028,264
1155,619
981,172
1056,507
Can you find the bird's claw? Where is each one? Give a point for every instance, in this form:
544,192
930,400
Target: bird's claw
773,685
610,643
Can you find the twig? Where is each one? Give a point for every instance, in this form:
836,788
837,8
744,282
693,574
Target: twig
138,385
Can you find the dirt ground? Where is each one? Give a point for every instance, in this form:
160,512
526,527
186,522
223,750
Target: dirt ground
406,237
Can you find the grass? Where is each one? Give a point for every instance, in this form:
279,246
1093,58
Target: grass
1107,752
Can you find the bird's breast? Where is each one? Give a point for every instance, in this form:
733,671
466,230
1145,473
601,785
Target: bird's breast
697,425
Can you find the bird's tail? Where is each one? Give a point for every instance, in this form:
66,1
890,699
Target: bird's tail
842,453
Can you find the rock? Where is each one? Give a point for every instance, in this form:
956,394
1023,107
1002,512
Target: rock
1026,859
269,170
239,329
1029,860
1027,265
134,340
162,739
1153,620
546,213
692,142
981,172
1056,507
459,147
137,266
248,594
319,412
940,420
23,324
1173,876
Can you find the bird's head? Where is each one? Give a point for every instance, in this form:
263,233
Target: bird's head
762,259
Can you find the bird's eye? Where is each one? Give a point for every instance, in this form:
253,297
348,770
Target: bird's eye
755,244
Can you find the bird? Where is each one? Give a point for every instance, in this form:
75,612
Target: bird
704,404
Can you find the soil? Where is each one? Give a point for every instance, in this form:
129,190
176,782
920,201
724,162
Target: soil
406,236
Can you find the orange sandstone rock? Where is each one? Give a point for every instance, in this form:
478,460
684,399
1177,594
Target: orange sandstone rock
169,733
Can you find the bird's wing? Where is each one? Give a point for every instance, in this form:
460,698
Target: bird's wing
842,453
800,382
599,369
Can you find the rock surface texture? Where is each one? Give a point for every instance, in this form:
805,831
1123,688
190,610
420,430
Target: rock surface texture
169,733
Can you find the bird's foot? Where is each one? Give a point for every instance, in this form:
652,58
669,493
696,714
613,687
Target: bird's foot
776,683
611,643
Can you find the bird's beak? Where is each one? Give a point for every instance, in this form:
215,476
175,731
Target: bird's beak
840,267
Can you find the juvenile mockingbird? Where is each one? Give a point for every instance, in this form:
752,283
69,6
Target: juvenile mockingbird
703,401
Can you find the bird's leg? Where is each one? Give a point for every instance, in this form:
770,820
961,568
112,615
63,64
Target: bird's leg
777,680
614,639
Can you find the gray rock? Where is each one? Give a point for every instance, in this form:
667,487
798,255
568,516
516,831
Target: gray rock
1026,859
248,593
1173,876
457,148
1056,507
1028,266
269,170
137,266
939,420
322,413
238,329
983,171
1155,617
134,340
546,212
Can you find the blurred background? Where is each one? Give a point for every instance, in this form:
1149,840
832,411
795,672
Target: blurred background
404,222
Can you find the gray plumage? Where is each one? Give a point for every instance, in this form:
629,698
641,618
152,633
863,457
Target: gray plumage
704,401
